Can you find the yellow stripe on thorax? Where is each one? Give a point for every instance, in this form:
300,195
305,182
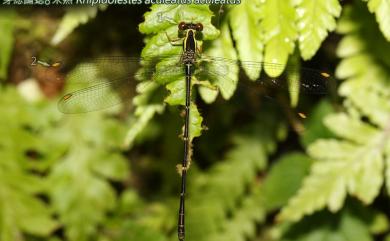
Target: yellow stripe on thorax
186,38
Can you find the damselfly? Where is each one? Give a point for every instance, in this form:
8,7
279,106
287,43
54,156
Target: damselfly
190,67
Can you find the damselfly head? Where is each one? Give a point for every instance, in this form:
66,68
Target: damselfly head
185,26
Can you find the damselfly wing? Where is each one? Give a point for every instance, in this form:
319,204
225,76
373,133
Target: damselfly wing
108,80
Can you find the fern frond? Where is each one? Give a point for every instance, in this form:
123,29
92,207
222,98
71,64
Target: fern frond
80,188
315,19
144,112
284,179
242,225
244,21
224,187
23,212
349,224
280,33
72,19
354,163
223,47
381,8
7,18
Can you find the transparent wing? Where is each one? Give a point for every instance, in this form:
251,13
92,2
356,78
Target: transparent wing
113,83
310,81
219,75
100,96
106,69
107,92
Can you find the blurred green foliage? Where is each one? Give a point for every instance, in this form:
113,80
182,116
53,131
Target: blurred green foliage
258,171
7,18
356,162
73,18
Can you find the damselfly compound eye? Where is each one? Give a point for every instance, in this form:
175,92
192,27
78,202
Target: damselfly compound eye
199,27
182,26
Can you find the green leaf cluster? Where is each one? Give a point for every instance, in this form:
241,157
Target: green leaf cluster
110,176
356,162
21,211
70,161
273,27
7,18
230,187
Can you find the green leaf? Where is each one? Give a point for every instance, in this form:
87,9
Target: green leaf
314,126
72,19
243,224
350,45
381,9
223,47
359,24
120,230
129,201
220,191
209,95
293,79
278,24
326,227
315,18
144,116
145,111
354,163
387,173
195,122
348,168
224,196
79,182
284,179
115,169
22,211
177,91
7,20
244,20
379,223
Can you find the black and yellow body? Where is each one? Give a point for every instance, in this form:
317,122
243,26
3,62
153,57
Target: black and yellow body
190,51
